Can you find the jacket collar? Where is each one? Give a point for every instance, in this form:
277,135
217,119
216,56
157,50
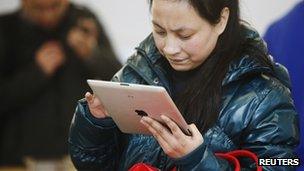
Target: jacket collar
149,49
247,65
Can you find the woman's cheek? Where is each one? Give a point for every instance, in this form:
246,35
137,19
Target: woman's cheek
159,42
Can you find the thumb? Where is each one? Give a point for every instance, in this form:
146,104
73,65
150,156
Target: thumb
89,97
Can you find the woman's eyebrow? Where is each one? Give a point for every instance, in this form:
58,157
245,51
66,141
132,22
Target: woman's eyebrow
181,29
156,24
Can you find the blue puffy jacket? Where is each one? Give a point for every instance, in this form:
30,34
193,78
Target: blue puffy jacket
257,114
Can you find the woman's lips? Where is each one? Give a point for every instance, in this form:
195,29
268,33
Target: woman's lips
178,60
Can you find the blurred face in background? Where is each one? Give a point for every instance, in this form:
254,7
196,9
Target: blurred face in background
45,13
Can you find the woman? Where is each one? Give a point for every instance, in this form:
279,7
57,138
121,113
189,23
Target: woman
219,75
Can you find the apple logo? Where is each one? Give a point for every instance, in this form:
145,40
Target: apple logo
141,113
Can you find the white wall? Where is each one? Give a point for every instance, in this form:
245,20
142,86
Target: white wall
8,5
128,21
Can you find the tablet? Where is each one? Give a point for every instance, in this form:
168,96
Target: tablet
127,103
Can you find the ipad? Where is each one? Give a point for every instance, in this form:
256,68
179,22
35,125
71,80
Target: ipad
127,103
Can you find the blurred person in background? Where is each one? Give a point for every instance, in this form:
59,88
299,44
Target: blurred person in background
47,51
285,40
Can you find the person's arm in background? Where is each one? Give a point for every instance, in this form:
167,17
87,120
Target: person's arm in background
20,87
91,44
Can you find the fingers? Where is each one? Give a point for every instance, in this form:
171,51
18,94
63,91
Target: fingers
89,97
93,100
149,127
96,107
160,139
193,129
50,57
156,128
52,50
196,135
176,131
175,144
160,132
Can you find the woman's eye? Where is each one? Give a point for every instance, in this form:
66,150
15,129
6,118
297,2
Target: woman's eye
185,37
161,33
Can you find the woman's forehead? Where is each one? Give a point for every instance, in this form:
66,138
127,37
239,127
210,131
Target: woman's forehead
174,12
174,7
43,3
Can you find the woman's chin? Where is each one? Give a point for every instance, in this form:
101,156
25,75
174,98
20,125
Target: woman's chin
181,67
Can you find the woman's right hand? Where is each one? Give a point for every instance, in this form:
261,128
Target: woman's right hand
96,107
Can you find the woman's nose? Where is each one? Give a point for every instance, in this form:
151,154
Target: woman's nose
171,47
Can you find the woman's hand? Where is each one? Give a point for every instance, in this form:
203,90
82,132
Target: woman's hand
96,107
175,143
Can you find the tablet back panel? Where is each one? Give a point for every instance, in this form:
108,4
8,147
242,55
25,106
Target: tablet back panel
127,103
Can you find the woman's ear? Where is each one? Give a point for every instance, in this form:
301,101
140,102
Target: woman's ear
221,25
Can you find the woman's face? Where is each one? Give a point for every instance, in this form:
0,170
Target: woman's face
181,35
46,13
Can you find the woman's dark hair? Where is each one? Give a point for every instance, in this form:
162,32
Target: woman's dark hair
200,103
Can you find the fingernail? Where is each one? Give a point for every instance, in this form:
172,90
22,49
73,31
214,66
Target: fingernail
87,94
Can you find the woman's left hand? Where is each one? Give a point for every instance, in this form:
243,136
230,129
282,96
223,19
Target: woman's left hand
174,142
